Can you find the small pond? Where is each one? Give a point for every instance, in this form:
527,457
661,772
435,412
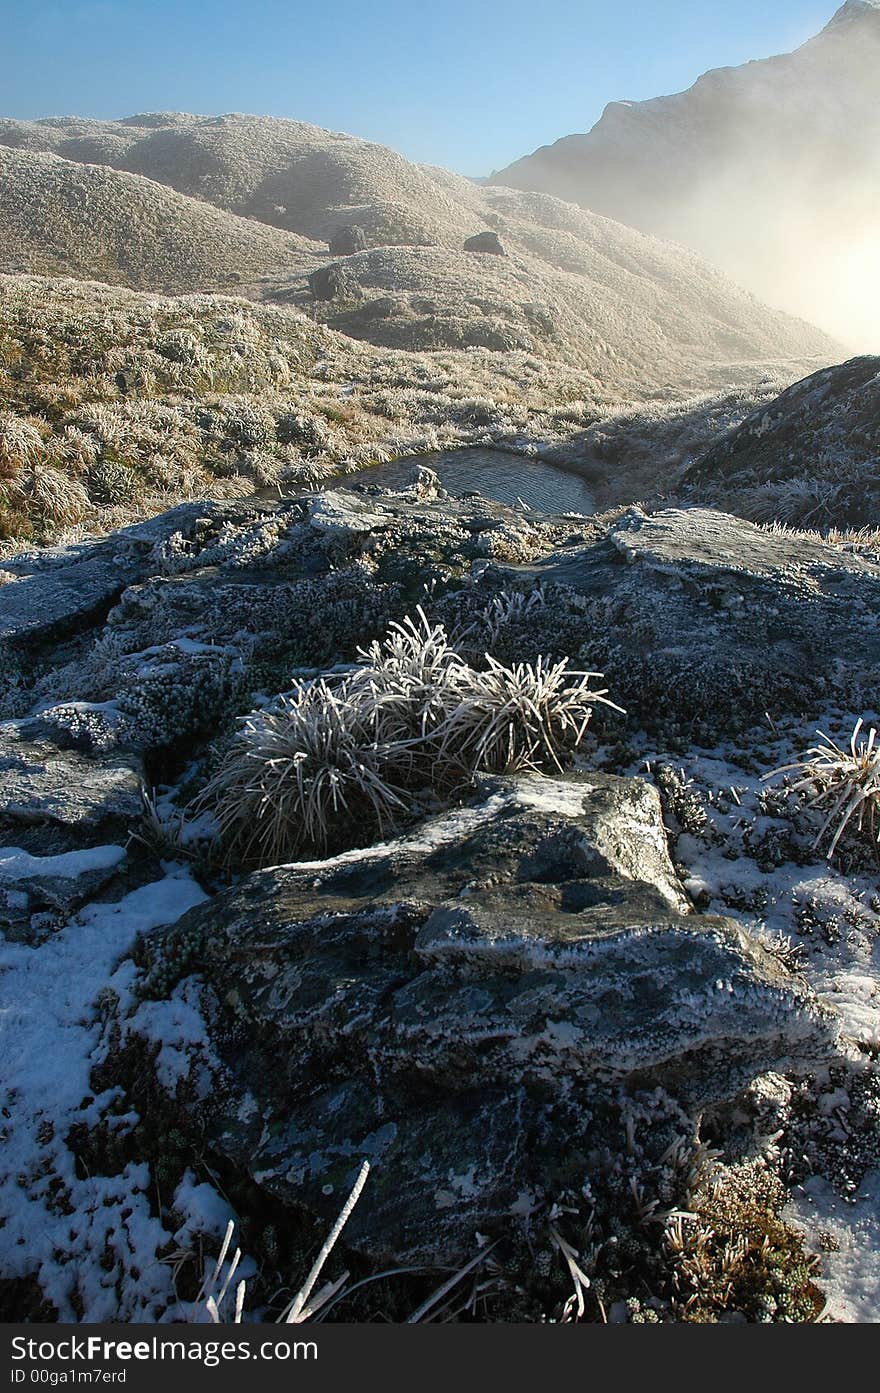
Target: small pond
495,474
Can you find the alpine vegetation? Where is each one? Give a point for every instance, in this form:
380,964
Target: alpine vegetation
334,760
845,780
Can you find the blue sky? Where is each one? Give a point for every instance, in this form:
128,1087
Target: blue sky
470,84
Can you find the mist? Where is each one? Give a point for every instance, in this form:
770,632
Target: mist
771,171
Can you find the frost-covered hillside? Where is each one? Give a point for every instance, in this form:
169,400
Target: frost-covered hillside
568,286
97,223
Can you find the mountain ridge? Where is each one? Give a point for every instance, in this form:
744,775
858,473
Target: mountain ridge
791,142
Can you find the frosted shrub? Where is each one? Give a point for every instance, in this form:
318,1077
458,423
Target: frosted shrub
79,449
246,425
260,466
309,433
506,609
793,502
182,346
336,759
845,780
105,424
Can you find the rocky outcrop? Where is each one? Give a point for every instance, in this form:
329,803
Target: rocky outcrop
60,799
702,622
480,1006
487,242
348,240
333,283
813,453
60,591
65,820
446,1005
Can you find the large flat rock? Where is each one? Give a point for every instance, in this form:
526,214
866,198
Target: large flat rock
448,1004
64,797
702,622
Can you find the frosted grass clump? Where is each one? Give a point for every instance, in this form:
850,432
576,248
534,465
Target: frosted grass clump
510,607
47,494
299,771
339,757
523,717
845,780
410,683
21,444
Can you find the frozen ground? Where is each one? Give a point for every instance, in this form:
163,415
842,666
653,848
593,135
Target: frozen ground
93,1241
744,847
106,1247
845,1235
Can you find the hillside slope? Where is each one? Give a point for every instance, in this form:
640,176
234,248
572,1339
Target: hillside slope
812,455
90,221
289,174
674,324
631,312
772,170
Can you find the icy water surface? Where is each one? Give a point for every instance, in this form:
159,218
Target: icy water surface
493,473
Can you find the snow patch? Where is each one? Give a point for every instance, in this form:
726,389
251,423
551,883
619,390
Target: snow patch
62,1224
16,864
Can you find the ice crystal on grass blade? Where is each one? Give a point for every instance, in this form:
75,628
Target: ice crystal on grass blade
307,1302
522,717
411,682
845,780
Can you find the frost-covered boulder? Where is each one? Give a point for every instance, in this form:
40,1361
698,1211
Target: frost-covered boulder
450,1006
702,622
52,593
348,240
55,799
487,242
38,892
65,820
333,282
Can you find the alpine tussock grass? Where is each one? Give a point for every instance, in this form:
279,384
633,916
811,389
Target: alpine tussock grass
149,400
845,780
337,758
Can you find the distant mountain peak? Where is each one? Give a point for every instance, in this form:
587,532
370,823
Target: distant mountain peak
770,169
853,10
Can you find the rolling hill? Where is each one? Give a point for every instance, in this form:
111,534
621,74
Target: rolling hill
634,314
94,222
